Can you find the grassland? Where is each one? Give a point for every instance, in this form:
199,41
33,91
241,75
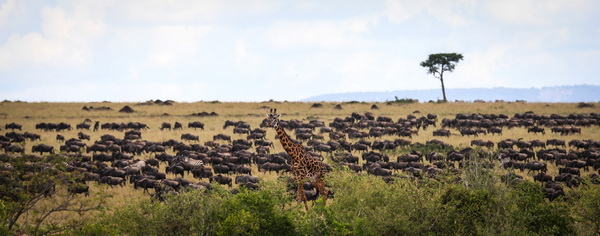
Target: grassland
30,114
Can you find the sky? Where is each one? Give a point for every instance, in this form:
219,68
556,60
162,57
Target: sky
230,50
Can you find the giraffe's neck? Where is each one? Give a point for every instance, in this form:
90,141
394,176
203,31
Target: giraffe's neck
290,147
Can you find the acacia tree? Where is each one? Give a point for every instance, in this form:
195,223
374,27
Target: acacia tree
33,191
438,63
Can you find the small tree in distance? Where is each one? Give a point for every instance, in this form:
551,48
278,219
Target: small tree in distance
438,63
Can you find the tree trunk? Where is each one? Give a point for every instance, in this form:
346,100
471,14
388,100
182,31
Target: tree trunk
443,89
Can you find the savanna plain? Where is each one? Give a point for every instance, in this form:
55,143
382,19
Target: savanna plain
471,192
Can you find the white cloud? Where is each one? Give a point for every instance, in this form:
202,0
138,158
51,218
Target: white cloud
251,49
133,91
65,39
191,11
7,10
448,12
481,69
532,12
319,34
171,44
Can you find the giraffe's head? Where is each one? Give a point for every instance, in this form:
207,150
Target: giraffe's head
272,118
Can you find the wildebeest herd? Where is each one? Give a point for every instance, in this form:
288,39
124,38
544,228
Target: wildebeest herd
361,142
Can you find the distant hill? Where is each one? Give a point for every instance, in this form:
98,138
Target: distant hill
576,93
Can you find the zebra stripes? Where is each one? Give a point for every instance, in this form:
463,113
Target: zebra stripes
194,162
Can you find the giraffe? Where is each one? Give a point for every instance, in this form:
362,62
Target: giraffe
304,166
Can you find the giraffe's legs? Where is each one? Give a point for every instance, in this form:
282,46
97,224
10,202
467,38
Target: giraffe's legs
301,196
321,187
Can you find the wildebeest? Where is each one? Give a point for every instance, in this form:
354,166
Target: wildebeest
536,166
112,181
221,169
155,148
555,142
97,148
495,130
467,131
569,170
82,126
175,169
196,124
190,137
243,179
14,148
32,136
165,125
42,148
542,177
201,172
222,137
536,129
223,180
177,125
270,167
79,188
145,183
441,132
13,126
83,136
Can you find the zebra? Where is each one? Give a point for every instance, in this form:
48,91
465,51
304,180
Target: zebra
193,162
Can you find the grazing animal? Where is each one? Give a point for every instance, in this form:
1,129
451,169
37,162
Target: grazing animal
165,125
83,136
536,129
196,124
79,188
190,137
223,180
304,166
442,132
42,148
177,125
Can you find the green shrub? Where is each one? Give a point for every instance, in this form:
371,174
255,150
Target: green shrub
364,205
586,209
254,213
465,211
533,213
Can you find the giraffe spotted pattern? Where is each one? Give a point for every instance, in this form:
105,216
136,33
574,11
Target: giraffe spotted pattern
304,166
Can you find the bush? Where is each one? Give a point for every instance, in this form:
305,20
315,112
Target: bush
197,212
586,209
465,211
190,212
254,213
533,213
365,205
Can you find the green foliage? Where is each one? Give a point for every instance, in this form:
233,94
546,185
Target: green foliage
402,101
441,62
255,213
587,209
366,205
465,211
535,214
474,202
34,189
197,212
